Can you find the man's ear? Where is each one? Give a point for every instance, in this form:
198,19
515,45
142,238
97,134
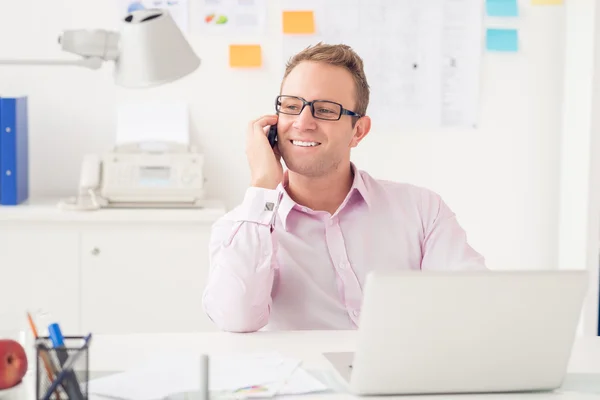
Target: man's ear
361,129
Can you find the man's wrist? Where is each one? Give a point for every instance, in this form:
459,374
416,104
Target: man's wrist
260,205
264,184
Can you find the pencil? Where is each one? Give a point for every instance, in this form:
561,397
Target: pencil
42,353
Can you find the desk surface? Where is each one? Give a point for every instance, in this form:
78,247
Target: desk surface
118,352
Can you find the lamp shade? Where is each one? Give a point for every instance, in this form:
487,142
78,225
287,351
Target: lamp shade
152,50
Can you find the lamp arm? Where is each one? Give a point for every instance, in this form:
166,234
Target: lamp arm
88,62
96,43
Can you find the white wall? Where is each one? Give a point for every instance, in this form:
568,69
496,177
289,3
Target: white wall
501,179
579,211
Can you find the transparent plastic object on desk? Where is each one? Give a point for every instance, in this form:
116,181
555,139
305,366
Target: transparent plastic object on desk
15,325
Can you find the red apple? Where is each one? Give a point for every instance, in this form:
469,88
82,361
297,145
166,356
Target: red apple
13,363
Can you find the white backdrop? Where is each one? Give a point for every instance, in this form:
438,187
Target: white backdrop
501,179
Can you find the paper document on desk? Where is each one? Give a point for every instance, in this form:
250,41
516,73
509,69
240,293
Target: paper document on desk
302,382
247,375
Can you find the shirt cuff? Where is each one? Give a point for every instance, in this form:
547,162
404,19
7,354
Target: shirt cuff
260,205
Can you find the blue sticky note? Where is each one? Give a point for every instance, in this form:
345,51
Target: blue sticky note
502,8
502,39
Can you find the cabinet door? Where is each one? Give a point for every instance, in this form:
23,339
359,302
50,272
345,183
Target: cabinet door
144,279
39,270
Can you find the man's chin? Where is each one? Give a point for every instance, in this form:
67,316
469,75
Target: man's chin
310,170
302,169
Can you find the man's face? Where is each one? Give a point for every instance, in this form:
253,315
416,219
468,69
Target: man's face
317,81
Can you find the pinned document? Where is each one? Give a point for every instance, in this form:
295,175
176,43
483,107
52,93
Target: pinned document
245,56
502,8
546,2
237,17
506,40
298,22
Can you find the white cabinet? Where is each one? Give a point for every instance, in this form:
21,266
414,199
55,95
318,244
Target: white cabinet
107,271
143,279
39,270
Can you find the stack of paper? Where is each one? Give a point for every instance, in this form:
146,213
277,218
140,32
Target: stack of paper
248,375
152,122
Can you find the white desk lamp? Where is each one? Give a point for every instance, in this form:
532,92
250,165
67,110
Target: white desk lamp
149,50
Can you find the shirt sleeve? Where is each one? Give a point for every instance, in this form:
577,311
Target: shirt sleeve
237,297
445,245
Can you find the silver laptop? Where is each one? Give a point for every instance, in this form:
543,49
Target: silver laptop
464,332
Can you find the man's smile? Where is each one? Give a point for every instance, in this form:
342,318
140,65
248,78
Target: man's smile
304,144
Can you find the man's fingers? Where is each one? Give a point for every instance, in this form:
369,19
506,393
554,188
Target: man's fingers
265,121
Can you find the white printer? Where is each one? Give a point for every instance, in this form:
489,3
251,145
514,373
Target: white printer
155,174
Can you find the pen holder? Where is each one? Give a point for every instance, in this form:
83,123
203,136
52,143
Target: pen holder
69,383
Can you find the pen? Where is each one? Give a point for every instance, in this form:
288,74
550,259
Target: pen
67,367
71,383
43,353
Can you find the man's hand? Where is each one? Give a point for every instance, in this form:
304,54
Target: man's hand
266,170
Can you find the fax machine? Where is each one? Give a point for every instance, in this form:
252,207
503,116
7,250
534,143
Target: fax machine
141,175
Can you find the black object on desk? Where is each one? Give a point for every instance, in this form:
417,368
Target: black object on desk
58,341
70,377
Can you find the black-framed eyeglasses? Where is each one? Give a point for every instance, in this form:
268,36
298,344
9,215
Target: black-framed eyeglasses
320,109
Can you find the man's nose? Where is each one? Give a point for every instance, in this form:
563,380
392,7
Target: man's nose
305,120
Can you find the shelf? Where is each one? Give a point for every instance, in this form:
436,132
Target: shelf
47,210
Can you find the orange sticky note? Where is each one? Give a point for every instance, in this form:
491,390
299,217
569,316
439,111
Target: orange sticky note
245,55
298,22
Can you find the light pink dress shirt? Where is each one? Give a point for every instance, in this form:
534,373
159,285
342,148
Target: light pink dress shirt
276,265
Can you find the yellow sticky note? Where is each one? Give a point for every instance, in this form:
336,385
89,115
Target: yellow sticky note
546,2
298,22
245,55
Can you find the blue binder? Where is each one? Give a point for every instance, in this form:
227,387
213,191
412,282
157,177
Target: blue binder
14,151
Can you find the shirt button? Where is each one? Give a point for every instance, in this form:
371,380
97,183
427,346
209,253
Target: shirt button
343,265
355,313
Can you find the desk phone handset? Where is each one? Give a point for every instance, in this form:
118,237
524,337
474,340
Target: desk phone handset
89,184
272,136
91,170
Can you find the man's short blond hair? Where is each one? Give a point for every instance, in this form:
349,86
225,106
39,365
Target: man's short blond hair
339,55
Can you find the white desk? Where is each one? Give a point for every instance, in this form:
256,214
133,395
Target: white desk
88,249
118,352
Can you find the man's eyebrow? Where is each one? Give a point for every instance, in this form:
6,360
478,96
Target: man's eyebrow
321,98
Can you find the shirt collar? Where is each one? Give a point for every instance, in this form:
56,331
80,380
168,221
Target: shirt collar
286,204
359,186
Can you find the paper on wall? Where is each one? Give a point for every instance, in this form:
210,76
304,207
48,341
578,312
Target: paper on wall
502,8
298,22
497,39
245,55
422,58
231,16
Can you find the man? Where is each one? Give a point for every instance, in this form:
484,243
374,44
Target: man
295,253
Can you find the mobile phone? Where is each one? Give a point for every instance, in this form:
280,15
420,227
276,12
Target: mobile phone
272,136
